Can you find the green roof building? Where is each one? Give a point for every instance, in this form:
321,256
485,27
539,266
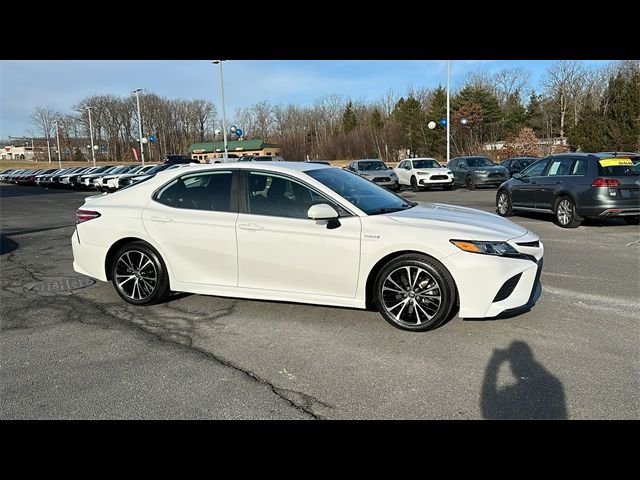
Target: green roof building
203,151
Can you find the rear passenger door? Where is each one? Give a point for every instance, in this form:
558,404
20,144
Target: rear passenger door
524,189
557,174
193,220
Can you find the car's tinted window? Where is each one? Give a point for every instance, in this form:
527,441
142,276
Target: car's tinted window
479,162
559,167
425,164
366,166
536,169
617,167
168,194
205,191
580,167
279,196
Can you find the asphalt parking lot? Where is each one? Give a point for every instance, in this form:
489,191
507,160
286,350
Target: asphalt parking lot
85,354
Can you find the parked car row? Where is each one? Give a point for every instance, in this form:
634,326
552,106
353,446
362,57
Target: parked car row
103,178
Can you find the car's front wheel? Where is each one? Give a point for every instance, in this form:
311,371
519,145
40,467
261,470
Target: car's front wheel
414,292
565,212
139,275
503,204
414,185
469,182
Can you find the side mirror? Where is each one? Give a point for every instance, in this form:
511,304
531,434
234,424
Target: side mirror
517,175
408,167
390,168
322,211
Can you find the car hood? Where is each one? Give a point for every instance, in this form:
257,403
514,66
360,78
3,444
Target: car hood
493,168
469,223
432,171
377,173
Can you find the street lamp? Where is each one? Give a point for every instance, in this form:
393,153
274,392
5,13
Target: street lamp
137,91
93,152
224,125
58,142
448,111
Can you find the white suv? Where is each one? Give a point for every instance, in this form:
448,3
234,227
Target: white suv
423,173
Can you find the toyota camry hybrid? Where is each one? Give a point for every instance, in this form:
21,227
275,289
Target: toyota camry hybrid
307,233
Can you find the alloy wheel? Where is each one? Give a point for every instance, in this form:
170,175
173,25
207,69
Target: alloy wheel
564,212
136,276
411,295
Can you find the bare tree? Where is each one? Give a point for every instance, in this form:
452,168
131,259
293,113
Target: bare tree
45,119
563,82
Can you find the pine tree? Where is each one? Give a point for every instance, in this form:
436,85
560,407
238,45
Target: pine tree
348,118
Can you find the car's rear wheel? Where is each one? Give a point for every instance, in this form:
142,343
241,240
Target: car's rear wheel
503,204
565,212
469,182
414,185
634,220
139,275
414,292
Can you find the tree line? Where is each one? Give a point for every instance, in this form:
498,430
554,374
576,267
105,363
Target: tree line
586,108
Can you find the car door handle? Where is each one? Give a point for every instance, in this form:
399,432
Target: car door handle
558,182
250,226
161,219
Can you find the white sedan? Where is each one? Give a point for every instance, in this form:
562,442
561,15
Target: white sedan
423,173
307,233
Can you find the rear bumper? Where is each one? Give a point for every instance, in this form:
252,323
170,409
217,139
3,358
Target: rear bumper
88,259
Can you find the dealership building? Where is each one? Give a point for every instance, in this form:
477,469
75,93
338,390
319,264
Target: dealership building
204,151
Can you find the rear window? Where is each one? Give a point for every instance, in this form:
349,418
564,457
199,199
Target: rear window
617,167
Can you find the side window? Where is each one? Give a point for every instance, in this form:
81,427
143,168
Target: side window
205,191
462,163
401,164
281,197
559,166
580,167
535,169
168,195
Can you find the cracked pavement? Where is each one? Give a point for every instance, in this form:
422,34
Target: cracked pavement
86,354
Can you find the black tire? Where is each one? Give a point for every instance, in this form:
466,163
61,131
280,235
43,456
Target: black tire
395,188
469,182
565,214
634,220
503,204
131,254
414,185
428,271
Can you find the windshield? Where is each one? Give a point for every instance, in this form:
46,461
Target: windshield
617,167
525,162
375,165
366,195
479,162
425,164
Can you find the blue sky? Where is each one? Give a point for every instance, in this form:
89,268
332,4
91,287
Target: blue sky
26,84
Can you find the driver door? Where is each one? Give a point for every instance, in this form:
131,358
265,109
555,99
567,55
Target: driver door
281,249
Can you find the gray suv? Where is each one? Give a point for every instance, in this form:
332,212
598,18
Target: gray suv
573,186
475,171
377,171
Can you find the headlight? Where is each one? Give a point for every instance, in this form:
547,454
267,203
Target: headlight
422,173
481,171
488,248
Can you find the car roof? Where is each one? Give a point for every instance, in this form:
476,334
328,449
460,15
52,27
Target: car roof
422,158
282,167
615,154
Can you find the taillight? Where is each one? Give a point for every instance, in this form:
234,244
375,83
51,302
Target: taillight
85,215
605,182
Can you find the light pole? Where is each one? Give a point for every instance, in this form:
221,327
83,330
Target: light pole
137,91
224,124
93,153
58,143
448,112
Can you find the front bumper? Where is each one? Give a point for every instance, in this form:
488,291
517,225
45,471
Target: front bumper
480,280
485,180
430,181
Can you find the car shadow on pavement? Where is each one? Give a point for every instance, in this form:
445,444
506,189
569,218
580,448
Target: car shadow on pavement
21,191
7,245
535,395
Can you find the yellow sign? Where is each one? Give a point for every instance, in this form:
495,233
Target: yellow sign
614,162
